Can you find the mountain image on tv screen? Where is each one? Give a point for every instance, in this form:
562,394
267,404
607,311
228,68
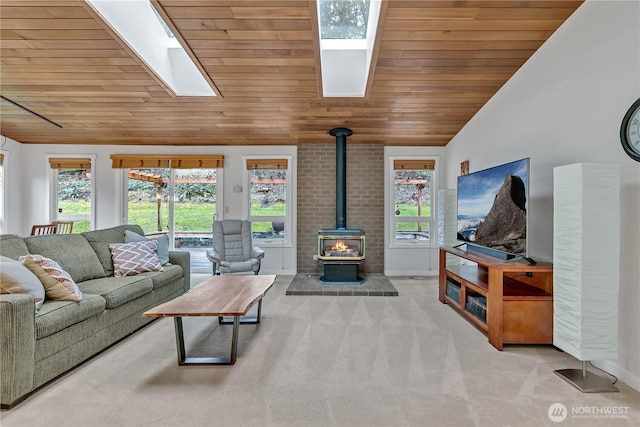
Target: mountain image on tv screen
492,207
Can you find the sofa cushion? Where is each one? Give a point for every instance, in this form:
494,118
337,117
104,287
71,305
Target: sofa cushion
162,278
117,291
54,316
100,240
58,284
130,259
12,246
15,278
162,241
71,251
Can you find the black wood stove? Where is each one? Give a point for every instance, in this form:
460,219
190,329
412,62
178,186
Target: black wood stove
341,250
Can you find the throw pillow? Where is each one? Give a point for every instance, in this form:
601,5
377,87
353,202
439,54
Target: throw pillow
58,284
163,244
15,278
132,258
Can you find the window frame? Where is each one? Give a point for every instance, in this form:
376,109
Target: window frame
287,242
53,189
394,220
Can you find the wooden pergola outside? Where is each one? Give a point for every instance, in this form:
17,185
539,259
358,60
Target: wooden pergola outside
160,182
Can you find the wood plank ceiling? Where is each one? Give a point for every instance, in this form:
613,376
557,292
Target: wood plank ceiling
437,63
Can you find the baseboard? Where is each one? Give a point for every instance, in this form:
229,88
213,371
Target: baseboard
279,272
401,273
623,375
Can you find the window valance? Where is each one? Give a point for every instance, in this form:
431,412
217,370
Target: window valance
69,163
196,161
414,165
267,164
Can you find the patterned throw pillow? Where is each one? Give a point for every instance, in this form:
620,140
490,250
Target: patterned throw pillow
58,284
132,258
163,244
16,279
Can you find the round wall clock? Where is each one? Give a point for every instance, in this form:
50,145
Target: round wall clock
630,131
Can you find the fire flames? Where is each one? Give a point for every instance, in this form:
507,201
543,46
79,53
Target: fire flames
341,246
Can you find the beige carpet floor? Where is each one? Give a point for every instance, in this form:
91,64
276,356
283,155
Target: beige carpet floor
325,361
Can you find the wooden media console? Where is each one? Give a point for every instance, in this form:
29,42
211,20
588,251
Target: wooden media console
511,301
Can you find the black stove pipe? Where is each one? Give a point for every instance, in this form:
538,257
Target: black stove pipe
341,135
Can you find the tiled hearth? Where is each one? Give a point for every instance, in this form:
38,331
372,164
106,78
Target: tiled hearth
374,285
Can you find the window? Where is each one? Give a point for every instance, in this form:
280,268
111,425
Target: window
72,190
148,199
413,184
174,195
267,207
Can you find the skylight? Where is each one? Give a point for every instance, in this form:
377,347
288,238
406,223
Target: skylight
344,19
144,31
347,36
165,27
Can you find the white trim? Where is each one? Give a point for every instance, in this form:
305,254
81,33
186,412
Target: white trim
622,374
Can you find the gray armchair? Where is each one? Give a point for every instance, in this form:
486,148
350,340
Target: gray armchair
233,250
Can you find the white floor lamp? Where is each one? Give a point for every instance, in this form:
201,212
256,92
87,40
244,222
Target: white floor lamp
447,217
586,248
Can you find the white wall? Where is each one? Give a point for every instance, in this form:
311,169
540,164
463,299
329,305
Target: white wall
12,196
565,105
28,186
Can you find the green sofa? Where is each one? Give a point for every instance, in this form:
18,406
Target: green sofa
36,347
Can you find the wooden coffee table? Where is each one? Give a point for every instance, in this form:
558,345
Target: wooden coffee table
220,296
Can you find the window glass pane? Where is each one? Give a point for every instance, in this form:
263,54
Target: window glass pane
412,193
268,203
194,207
412,231
267,229
74,198
81,226
344,19
268,192
148,199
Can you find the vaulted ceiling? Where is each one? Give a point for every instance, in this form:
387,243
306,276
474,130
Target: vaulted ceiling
436,63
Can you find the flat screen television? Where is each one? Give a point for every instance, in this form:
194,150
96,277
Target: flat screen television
492,210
